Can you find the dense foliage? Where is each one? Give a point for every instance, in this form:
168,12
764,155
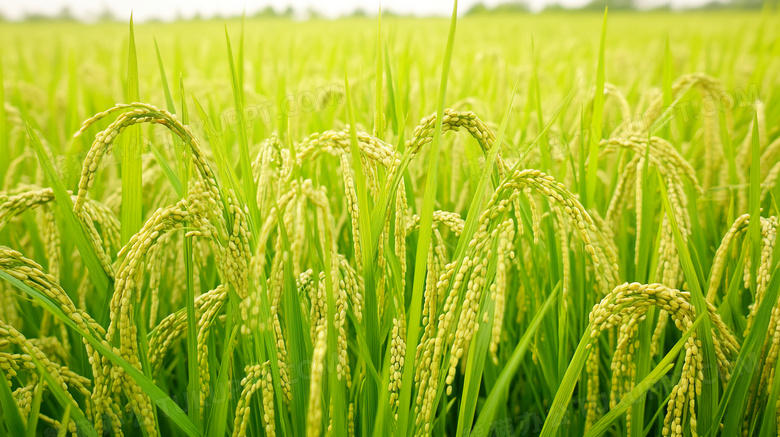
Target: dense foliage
521,225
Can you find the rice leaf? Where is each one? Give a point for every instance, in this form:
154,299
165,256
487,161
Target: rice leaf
337,396
645,274
501,387
595,121
35,410
296,338
754,192
768,421
736,393
709,392
563,395
379,110
3,126
392,105
168,171
248,182
166,89
193,369
13,420
728,149
731,408
544,146
475,361
218,417
65,419
371,314
131,211
666,87
100,279
424,240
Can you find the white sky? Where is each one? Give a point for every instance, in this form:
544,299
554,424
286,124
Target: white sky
168,9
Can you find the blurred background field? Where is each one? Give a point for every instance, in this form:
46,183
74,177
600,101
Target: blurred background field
49,64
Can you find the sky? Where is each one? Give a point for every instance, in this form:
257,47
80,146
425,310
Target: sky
169,9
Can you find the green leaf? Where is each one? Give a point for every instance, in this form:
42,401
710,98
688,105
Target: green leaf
728,149
424,241
168,98
296,338
754,228
218,417
648,217
667,88
131,211
3,128
337,390
13,419
565,389
392,103
193,368
249,189
268,344
35,410
645,274
769,421
168,171
65,419
501,387
475,363
709,393
474,370
226,173
379,122
669,112
595,121
100,279
732,405
368,255
544,147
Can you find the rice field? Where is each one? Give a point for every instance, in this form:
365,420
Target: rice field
560,224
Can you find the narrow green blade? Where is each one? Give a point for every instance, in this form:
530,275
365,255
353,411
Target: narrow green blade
424,241
595,121
563,395
754,228
371,308
708,400
100,279
65,419
35,409
248,181
501,387
732,406
168,171
3,129
668,68
132,190
13,419
218,418
296,337
379,117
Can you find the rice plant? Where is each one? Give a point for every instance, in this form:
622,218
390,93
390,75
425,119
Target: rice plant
258,237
